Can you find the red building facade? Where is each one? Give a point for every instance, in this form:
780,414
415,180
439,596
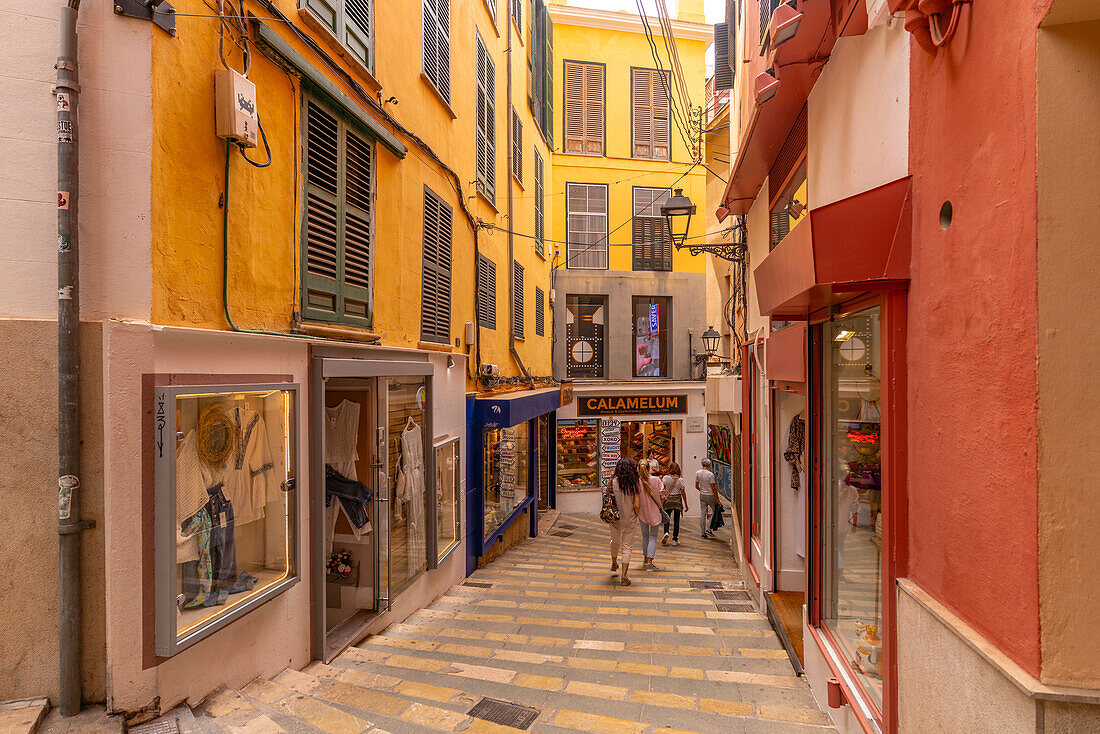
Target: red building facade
917,189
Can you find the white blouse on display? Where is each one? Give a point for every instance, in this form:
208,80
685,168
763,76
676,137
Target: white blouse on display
341,437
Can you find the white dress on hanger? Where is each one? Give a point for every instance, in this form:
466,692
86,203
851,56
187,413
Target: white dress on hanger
342,437
412,459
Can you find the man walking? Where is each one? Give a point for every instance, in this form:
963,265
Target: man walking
708,496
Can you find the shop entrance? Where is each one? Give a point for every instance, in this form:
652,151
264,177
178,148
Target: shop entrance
370,462
649,440
786,599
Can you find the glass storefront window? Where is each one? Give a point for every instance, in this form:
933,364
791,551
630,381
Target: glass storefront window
585,330
852,493
225,469
578,454
406,401
651,316
507,453
448,497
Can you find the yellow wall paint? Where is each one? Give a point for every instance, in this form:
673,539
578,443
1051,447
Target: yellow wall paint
620,51
265,204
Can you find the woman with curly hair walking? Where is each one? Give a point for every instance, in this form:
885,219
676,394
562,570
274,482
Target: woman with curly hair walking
625,486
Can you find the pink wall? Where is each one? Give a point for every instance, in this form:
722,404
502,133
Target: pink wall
972,327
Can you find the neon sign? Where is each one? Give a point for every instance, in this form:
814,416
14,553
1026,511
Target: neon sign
858,437
573,433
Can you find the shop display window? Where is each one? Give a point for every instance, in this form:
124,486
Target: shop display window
507,454
852,494
406,407
651,317
225,484
448,497
578,455
585,331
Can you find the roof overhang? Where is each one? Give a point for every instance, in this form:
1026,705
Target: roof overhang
796,64
856,244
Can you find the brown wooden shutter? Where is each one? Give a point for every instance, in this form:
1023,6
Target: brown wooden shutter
486,122
641,104
517,301
662,133
435,301
574,107
593,108
486,293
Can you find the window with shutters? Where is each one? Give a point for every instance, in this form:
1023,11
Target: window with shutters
540,220
789,209
437,45
338,230
517,13
486,292
517,147
651,131
652,245
586,226
486,147
584,108
517,300
435,298
723,69
491,5
540,312
351,22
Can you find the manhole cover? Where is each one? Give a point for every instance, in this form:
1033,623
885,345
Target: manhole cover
168,726
735,607
478,584
562,534
731,595
503,712
704,584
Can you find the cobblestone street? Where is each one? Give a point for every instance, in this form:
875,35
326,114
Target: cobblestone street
545,627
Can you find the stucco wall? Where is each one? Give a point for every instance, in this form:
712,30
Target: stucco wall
114,138
265,204
858,121
688,294
971,351
1069,339
28,524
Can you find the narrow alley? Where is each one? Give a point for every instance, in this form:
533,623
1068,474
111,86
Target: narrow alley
544,627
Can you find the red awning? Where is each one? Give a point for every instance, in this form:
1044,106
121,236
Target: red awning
856,244
785,353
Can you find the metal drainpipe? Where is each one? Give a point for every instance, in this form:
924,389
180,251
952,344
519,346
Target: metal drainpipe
511,219
69,523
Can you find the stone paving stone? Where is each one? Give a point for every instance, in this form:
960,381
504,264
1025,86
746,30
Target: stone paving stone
555,632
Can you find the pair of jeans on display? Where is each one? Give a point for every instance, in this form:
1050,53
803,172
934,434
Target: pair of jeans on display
355,497
210,580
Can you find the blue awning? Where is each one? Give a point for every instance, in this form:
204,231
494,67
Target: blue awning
501,411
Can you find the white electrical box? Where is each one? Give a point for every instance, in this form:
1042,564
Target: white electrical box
723,394
235,114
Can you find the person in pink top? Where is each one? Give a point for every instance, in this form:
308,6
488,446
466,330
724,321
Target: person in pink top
649,513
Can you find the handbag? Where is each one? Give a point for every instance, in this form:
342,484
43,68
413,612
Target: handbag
674,500
609,513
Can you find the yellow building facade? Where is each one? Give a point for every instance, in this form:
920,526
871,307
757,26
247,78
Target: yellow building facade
629,305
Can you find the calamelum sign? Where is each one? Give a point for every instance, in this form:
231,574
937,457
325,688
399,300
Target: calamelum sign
631,404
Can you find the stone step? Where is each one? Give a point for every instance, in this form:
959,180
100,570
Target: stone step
24,715
91,720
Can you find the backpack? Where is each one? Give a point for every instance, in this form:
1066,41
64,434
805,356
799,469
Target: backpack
609,513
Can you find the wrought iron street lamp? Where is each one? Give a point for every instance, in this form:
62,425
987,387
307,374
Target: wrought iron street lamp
678,209
710,341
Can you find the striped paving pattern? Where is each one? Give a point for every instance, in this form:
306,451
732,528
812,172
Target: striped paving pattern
551,632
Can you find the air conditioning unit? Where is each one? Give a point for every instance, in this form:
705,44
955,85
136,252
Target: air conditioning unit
723,394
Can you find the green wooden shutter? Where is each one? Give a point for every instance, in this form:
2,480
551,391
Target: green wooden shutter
540,222
350,21
540,312
517,300
548,79
486,122
320,283
356,255
486,293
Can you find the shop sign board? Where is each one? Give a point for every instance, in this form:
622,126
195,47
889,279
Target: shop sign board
631,404
694,424
566,392
610,447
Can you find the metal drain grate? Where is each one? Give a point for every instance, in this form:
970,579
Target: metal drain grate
504,712
168,726
562,534
704,584
743,606
732,595
478,584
